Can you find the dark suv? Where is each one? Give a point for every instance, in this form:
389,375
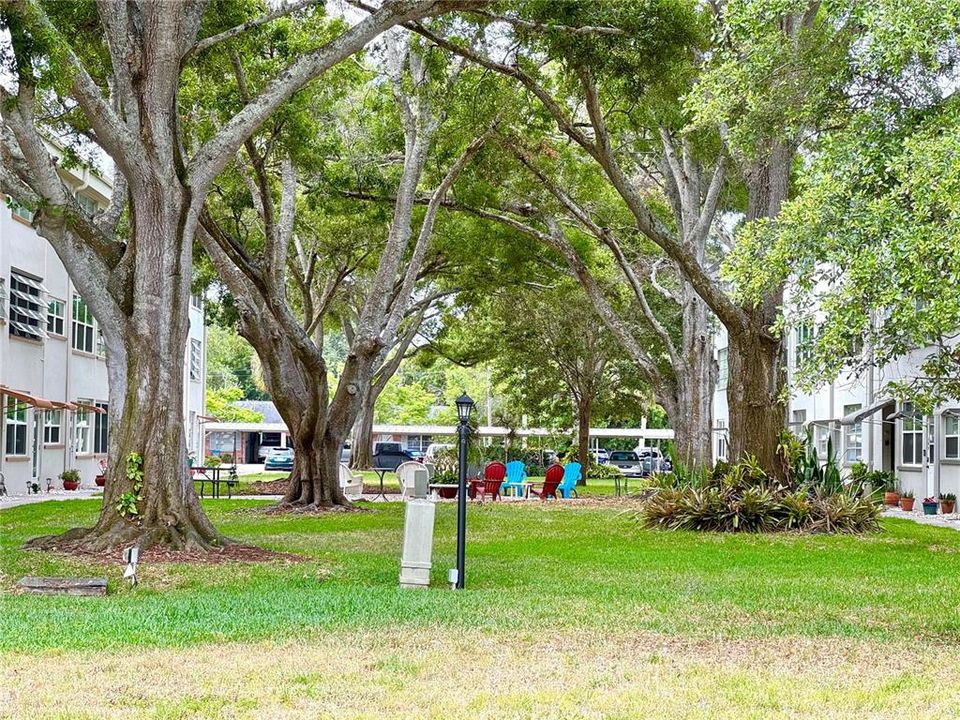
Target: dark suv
390,455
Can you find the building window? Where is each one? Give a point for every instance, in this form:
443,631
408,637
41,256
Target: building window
82,325
722,449
52,427
419,442
87,204
19,211
912,436
56,312
3,300
197,301
951,437
804,349
101,430
101,345
26,318
724,369
81,428
196,359
826,439
853,437
16,427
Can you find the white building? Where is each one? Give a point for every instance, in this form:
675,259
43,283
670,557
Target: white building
53,378
865,423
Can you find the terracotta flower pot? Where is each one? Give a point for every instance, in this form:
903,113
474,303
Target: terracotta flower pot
447,493
70,484
907,503
947,506
891,498
100,480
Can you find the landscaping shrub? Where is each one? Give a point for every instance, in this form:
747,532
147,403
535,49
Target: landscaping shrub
743,498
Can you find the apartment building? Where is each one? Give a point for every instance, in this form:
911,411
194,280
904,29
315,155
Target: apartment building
864,422
53,379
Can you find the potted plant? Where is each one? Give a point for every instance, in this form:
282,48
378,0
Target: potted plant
929,506
101,478
448,480
948,501
907,500
891,495
71,479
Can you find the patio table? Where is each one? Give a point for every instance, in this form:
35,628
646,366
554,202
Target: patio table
524,490
381,471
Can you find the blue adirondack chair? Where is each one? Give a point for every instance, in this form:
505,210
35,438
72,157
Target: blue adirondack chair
516,474
571,475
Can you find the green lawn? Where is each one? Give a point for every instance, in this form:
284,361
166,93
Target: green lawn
576,582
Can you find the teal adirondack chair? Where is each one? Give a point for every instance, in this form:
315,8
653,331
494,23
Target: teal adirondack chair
571,475
516,474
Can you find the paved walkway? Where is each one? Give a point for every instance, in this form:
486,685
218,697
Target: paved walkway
8,501
80,494
948,521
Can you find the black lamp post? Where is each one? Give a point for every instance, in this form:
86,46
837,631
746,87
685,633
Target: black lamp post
464,409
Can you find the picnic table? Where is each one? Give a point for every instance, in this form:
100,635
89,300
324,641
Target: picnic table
204,475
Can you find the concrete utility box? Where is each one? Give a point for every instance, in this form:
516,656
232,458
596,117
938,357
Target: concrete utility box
421,483
417,558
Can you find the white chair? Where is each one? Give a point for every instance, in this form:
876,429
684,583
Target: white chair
352,485
408,473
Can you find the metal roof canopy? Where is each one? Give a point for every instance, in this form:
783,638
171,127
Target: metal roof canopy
483,430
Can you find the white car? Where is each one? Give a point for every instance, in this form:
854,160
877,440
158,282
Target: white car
601,456
627,462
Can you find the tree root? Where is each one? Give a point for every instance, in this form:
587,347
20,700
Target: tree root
123,534
304,508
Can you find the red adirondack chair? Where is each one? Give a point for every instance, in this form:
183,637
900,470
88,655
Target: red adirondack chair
493,476
550,483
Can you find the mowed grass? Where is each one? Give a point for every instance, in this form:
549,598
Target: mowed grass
530,566
571,611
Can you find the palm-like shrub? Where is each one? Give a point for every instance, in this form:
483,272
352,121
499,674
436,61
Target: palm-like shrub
743,498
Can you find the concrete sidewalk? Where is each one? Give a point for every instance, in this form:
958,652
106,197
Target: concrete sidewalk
948,521
79,494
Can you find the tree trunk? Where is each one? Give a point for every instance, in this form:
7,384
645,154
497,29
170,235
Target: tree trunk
315,480
145,362
361,456
584,412
692,419
756,388
756,398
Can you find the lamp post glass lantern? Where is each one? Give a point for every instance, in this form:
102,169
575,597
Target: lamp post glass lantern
464,409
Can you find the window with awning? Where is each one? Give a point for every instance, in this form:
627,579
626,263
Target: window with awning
27,320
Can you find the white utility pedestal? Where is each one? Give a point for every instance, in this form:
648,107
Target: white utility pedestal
417,556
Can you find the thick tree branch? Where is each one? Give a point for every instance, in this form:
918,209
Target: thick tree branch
216,153
286,9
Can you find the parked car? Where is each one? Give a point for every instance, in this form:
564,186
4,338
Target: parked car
628,463
417,455
265,450
653,461
390,455
601,456
279,459
345,453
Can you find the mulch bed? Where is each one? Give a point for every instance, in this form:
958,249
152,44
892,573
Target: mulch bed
279,487
227,553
